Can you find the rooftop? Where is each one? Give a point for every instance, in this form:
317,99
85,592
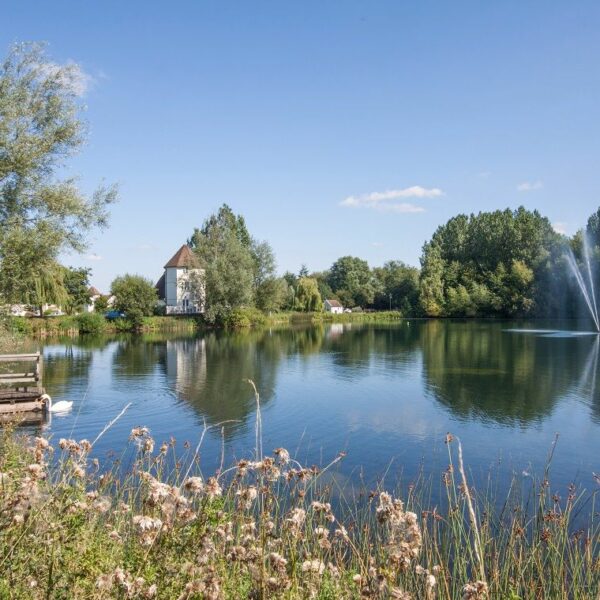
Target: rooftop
184,257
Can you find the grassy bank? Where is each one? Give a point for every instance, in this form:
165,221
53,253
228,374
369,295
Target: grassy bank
256,319
239,319
264,528
95,324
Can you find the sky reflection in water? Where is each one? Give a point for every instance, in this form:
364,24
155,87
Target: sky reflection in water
386,395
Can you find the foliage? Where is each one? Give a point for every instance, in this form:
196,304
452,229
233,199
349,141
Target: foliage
76,283
237,267
272,295
397,287
351,279
101,304
322,283
308,298
93,323
267,528
135,296
40,214
503,263
241,318
29,270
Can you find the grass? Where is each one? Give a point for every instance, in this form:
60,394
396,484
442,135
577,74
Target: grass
91,323
265,528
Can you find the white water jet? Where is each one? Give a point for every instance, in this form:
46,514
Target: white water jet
589,295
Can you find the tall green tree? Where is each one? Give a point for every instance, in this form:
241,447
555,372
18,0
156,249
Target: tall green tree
501,263
77,284
351,279
224,247
135,296
239,270
397,286
40,128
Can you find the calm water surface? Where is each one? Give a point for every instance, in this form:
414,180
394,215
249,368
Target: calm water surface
386,395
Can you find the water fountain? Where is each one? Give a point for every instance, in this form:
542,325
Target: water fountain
585,281
589,294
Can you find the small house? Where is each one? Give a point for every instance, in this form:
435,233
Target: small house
181,287
333,306
93,295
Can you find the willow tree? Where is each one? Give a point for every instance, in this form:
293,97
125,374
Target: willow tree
42,212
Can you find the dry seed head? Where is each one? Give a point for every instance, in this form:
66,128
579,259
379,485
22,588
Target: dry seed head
194,484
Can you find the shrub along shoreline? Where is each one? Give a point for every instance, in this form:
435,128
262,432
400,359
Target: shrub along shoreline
91,323
265,528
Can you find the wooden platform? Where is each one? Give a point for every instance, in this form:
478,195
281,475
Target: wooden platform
21,388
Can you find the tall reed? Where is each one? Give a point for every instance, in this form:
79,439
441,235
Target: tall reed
267,527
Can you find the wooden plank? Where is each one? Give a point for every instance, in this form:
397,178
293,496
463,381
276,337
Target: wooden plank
23,418
19,357
19,380
31,374
16,396
35,405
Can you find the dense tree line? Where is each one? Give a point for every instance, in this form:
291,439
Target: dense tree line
505,263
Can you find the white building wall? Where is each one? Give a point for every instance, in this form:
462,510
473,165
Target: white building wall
176,290
171,288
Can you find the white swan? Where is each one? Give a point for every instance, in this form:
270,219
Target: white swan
61,406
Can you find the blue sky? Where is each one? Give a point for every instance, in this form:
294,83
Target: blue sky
335,128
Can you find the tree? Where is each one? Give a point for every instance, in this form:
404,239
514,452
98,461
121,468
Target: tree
101,304
264,269
307,296
325,290
272,295
135,296
29,271
397,286
224,247
40,128
502,263
77,284
239,270
292,287
351,279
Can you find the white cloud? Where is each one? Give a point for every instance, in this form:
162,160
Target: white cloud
383,201
530,186
484,174
560,227
377,244
93,257
71,75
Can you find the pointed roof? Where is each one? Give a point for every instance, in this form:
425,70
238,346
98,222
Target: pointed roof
93,291
184,257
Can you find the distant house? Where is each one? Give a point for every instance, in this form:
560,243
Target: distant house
180,287
333,306
94,294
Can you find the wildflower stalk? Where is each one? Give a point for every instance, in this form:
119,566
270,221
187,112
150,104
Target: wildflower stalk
472,516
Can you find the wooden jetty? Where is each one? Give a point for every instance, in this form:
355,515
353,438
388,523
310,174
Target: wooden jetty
21,388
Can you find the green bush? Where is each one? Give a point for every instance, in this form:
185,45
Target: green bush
240,318
93,323
65,324
19,325
122,325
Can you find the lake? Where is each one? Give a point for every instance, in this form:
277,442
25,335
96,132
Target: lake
385,394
